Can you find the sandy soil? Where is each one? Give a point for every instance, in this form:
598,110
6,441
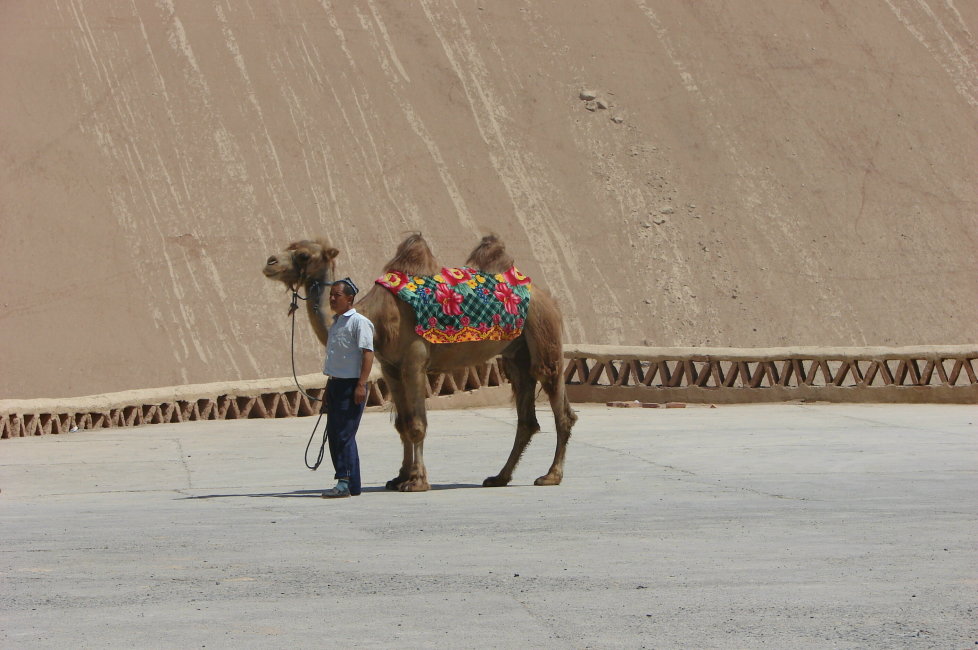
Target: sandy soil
747,174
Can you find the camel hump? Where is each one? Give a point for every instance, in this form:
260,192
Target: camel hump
490,255
413,257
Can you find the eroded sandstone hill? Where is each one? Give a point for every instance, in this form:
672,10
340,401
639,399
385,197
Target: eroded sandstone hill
748,173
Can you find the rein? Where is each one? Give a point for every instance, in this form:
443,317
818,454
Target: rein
293,308
322,447
315,290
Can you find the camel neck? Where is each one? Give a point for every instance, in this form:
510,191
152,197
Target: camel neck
314,292
315,288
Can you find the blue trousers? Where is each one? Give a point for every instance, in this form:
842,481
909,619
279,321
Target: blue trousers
342,421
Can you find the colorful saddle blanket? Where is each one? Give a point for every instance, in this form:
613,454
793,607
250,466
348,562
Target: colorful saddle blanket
463,304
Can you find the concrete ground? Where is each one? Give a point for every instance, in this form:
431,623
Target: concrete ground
781,526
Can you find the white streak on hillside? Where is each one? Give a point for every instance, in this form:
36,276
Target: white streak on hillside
387,40
529,203
162,198
234,168
420,129
961,23
277,186
105,117
942,45
367,123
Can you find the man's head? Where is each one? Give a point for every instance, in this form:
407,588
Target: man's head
341,295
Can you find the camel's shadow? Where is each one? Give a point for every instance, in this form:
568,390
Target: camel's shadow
305,494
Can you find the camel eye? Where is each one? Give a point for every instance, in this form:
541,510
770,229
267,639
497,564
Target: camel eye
271,261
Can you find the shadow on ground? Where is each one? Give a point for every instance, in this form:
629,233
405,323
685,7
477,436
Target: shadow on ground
318,493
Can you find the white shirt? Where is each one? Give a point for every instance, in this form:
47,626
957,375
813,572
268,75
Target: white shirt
349,335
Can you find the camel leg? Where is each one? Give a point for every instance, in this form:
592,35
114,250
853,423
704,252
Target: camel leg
392,376
524,386
411,423
418,474
564,419
407,459
546,365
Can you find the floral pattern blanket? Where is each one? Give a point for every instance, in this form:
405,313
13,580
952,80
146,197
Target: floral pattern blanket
464,304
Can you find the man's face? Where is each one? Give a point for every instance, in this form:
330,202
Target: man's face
339,302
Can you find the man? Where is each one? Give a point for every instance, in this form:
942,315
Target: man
349,357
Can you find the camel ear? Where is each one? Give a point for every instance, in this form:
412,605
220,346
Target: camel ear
330,253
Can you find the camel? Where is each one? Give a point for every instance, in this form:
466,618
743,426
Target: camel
405,357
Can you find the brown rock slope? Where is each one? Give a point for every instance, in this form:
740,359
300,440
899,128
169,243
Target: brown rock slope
747,174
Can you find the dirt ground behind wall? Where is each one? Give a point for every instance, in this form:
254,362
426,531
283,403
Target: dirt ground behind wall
746,174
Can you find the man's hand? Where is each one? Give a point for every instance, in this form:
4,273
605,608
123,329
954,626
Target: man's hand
360,395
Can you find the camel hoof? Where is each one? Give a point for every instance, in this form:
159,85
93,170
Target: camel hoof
495,481
548,480
414,486
395,483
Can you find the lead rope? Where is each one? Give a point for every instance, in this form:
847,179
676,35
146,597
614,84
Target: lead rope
322,447
294,307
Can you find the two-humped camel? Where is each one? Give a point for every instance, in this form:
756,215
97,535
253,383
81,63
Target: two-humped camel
405,357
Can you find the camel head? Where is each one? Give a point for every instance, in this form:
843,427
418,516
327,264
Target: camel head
302,262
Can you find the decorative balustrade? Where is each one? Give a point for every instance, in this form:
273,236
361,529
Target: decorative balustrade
928,373
592,374
277,398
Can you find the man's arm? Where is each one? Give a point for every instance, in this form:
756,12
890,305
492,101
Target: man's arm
360,395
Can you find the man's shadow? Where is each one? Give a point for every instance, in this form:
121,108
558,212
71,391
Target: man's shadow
306,494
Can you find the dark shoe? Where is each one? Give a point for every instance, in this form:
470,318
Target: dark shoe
338,492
